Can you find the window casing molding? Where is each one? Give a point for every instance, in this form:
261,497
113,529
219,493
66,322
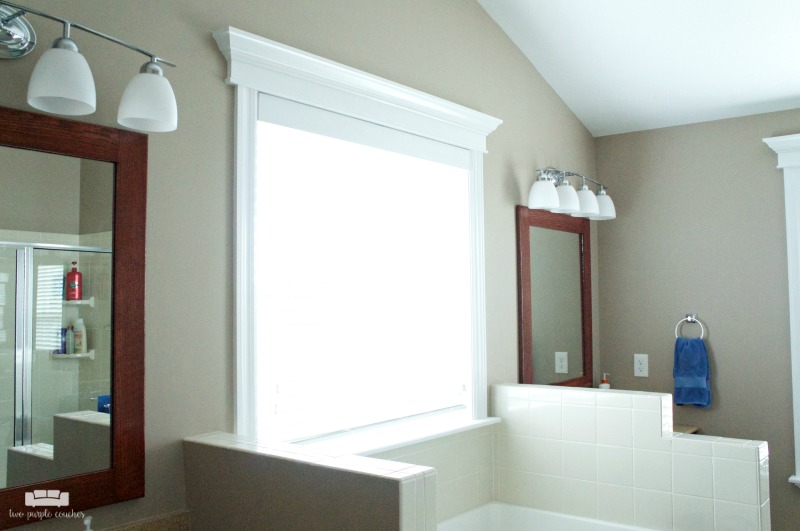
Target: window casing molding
258,65
788,150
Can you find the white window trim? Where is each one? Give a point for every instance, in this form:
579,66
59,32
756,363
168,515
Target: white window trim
788,150
258,65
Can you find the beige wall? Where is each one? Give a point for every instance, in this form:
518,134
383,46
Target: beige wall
449,48
701,228
40,192
97,196
50,193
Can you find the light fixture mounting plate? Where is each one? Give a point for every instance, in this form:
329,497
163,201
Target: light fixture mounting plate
17,37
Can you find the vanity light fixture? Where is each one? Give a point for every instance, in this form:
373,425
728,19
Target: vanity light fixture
62,82
552,191
543,193
568,202
588,202
607,210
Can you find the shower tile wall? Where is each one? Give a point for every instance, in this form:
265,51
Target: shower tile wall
66,385
95,376
54,383
76,383
611,455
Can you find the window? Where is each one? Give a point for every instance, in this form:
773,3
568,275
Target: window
359,246
361,278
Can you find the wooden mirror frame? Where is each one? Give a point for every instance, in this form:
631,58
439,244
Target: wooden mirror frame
527,218
124,480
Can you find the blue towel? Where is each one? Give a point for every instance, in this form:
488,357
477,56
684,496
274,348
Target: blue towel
692,385
104,403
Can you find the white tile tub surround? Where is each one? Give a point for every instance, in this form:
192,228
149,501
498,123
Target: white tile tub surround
612,455
498,516
464,468
627,467
236,483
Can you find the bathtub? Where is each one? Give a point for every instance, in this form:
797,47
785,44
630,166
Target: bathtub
497,516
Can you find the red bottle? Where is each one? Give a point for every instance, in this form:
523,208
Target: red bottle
74,291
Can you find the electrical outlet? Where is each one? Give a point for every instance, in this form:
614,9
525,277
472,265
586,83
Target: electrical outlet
640,365
562,365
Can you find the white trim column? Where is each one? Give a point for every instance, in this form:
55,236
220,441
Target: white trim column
788,150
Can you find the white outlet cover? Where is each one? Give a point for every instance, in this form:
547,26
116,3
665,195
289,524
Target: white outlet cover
640,365
562,363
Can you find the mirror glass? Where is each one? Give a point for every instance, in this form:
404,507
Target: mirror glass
56,214
556,315
554,298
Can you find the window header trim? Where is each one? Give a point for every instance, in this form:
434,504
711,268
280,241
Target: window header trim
273,68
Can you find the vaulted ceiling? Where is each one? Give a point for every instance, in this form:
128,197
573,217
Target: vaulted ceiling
631,65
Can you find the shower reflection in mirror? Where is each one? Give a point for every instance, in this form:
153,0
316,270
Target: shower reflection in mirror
56,213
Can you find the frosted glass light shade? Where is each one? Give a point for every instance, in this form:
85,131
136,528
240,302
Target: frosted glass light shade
148,104
543,196
588,204
607,210
62,83
567,199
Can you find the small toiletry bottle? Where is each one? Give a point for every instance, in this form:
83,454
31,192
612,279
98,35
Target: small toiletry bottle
70,341
79,331
604,383
74,291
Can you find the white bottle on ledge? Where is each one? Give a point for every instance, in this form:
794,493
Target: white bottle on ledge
79,330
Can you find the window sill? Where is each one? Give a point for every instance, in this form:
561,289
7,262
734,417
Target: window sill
394,435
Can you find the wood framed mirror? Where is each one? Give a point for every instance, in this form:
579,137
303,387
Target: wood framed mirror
123,478
554,296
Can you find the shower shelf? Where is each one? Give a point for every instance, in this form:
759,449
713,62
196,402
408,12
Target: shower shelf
81,302
84,355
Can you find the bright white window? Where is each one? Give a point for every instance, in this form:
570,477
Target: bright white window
362,284
359,246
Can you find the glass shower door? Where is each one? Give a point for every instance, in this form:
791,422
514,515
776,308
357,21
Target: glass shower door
38,381
68,383
8,345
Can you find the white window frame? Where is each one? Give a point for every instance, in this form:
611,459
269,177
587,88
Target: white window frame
258,65
788,150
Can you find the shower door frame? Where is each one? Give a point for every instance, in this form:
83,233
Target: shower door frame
23,341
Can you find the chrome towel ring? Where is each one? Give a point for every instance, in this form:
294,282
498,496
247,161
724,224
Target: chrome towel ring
690,318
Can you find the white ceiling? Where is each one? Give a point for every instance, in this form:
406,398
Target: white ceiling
632,65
